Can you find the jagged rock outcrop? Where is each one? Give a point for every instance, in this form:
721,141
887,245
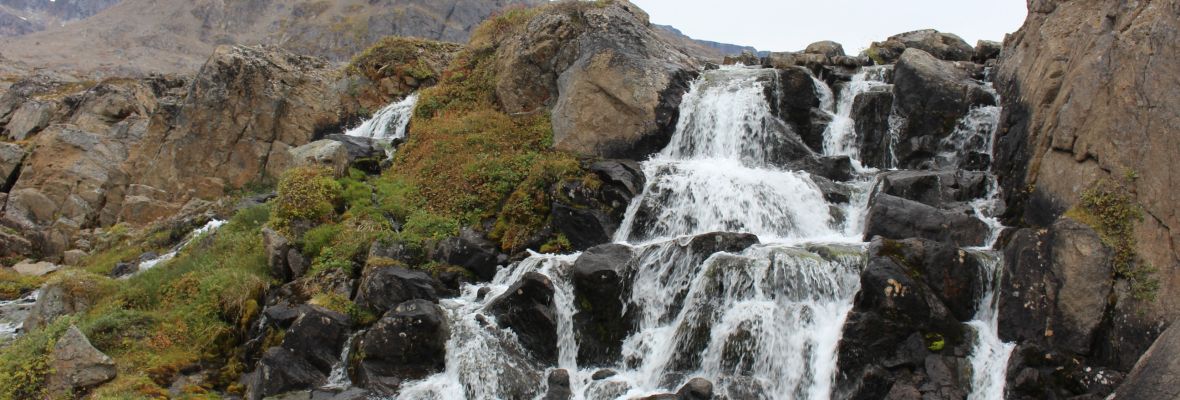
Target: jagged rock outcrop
1090,94
589,215
253,105
614,85
932,96
1080,82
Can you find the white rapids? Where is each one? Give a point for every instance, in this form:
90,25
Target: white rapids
762,323
388,123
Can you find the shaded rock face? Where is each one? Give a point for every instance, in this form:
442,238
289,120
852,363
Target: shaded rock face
1157,374
77,365
614,84
317,336
409,342
589,216
527,309
1082,103
472,251
900,336
245,109
932,96
871,111
602,283
897,218
280,371
382,289
1075,337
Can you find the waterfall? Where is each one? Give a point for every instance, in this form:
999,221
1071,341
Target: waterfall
13,314
989,359
192,236
760,323
840,136
388,123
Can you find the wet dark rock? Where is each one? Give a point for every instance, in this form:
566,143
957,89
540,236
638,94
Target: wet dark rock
951,273
527,309
396,251
793,100
603,374
408,342
559,386
707,244
383,288
283,314
364,154
601,285
897,321
1157,374
833,192
943,189
590,215
870,111
931,95
318,335
836,168
696,389
124,269
472,251
897,218
281,371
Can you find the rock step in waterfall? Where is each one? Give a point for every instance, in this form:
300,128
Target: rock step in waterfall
772,309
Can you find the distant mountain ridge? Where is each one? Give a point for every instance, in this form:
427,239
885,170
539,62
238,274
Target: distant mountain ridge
136,36
701,48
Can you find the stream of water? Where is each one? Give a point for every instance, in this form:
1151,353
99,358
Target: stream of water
760,323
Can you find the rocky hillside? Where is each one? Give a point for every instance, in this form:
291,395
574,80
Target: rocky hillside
580,206
178,35
19,17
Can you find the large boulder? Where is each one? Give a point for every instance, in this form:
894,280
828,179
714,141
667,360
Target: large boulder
602,285
527,309
826,47
955,275
325,153
932,96
944,46
614,84
245,109
897,218
383,288
472,251
871,111
280,371
408,342
77,365
899,329
943,189
364,153
59,298
317,336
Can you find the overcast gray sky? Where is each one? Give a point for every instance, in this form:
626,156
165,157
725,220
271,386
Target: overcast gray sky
788,25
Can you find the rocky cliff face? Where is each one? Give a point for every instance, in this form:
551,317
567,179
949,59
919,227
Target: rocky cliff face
178,35
1090,118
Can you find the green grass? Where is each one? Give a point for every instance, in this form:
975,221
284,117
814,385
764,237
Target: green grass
1110,209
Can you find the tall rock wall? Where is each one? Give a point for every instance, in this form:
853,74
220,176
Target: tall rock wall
1092,92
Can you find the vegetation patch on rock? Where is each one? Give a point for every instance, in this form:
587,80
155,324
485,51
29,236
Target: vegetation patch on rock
1110,208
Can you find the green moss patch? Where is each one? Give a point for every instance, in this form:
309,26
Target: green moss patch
1111,210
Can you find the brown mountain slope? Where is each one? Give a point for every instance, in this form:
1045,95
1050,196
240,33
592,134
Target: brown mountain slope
138,36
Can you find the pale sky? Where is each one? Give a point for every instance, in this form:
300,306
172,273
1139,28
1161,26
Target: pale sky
789,25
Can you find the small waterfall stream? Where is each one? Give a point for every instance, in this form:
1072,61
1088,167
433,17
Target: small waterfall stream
388,123
762,323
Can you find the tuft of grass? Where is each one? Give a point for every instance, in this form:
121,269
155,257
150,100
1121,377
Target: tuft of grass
1110,209
306,194
14,285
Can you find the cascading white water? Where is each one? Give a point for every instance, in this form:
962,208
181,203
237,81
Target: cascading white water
989,358
763,323
840,138
12,316
196,233
388,123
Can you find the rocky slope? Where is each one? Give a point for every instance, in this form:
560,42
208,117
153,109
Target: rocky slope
323,269
178,35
